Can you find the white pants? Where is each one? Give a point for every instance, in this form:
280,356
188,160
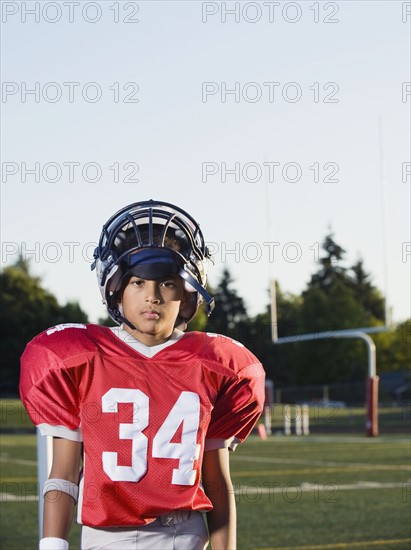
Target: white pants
188,534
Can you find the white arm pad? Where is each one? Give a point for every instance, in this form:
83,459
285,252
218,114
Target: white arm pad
63,485
53,543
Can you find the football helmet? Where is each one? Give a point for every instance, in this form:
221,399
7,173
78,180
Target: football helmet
151,239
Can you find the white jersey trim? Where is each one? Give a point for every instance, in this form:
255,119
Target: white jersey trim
60,431
136,345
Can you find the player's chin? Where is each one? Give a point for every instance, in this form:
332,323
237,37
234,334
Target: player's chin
150,326
140,323
157,333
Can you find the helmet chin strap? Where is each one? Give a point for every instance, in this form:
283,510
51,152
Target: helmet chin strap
117,314
209,300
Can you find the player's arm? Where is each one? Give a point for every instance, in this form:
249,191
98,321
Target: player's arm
58,505
219,489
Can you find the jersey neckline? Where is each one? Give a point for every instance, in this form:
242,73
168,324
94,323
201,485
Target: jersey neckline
135,345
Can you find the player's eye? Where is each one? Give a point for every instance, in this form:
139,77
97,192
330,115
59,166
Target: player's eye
168,284
137,282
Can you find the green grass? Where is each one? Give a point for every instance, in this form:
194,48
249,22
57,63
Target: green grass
279,483
19,520
292,492
278,513
13,415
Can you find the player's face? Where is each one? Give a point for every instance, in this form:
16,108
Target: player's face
152,306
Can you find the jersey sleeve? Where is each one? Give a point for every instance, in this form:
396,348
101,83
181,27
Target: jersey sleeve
237,409
49,393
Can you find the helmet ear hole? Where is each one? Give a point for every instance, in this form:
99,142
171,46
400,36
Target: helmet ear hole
188,287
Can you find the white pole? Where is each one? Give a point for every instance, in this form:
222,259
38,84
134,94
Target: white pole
306,420
267,419
383,181
44,460
271,279
287,419
298,420
274,322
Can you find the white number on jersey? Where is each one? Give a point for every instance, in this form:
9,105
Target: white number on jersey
185,412
132,431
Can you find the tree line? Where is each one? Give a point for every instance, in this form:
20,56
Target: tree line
336,297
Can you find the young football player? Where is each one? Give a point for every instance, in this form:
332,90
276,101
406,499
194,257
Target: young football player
143,415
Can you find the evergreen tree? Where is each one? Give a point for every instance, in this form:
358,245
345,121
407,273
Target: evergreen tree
366,294
26,309
229,316
331,270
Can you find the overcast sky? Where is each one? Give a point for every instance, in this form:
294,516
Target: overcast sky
263,120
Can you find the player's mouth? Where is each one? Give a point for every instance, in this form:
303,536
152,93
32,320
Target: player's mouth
151,314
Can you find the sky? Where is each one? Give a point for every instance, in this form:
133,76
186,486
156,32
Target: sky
271,123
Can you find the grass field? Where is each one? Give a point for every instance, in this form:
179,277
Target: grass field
316,492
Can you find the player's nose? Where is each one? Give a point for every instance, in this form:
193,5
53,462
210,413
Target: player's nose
152,292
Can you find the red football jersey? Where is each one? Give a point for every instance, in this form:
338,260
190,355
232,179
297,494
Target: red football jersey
144,421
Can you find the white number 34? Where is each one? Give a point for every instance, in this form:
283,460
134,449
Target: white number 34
186,411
